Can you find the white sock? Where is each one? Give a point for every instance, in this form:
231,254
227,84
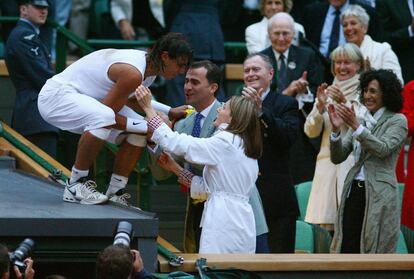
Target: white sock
77,174
117,183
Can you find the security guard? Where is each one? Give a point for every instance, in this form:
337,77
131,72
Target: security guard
29,66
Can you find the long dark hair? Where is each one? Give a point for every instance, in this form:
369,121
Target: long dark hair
245,123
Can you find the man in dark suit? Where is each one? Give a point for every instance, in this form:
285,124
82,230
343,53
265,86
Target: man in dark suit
28,62
397,17
297,74
324,30
200,23
279,117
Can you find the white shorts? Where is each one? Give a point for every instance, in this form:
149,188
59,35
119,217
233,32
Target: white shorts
64,107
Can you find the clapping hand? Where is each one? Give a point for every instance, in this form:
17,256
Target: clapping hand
255,96
336,94
348,115
322,97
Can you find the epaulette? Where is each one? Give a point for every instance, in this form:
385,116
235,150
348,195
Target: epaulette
29,37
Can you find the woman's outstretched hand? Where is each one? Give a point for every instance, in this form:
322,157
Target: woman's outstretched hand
144,97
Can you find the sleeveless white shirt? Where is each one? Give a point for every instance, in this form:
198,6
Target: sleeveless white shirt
89,75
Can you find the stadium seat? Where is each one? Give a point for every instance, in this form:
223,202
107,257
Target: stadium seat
401,245
304,237
302,192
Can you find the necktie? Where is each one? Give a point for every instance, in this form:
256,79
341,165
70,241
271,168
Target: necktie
334,38
195,133
197,125
281,81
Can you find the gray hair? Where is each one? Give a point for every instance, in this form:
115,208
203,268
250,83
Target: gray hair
349,50
358,12
264,57
284,16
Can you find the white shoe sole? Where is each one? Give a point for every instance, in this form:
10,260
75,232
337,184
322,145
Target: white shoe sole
69,197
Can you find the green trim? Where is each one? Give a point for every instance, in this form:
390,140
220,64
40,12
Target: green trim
32,154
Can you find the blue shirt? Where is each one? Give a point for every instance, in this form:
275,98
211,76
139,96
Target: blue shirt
327,29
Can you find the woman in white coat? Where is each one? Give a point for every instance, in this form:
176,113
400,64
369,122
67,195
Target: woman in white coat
328,180
380,55
230,172
257,38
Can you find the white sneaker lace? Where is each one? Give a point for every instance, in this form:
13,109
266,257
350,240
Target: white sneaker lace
90,185
122,198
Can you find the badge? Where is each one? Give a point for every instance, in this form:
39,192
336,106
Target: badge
292,65
35,50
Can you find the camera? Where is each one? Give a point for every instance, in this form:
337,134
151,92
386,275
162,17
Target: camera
123,234
21,253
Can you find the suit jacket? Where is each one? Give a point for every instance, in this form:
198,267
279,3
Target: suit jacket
379,153
29,65
396,17
314,18
280,127
304,151
200,23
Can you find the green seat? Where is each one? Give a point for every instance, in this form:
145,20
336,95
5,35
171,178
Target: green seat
302,192
304,237
401,245
1,50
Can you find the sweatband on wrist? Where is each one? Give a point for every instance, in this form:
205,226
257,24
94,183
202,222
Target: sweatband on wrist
135,125
160,107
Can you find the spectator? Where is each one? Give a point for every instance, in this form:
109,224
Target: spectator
5,266
257,37
323,28
380,55
199,22
79,21
298,75
201,85
118,261
29,65
407,217
230,158
397,17
279,117
327,183
91,97
368,216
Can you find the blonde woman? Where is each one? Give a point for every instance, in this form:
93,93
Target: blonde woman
328,180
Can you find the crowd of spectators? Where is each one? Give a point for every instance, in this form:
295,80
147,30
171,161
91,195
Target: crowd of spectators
318,55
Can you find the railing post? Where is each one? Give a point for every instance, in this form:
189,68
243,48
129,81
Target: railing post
60,51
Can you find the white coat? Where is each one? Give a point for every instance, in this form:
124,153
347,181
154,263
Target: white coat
228,178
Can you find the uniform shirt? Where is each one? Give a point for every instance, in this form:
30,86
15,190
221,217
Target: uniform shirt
89,75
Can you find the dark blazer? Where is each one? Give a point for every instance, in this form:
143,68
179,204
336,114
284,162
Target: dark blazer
396,17
303,59
29,66
200,23
303,153
314,18
280,127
